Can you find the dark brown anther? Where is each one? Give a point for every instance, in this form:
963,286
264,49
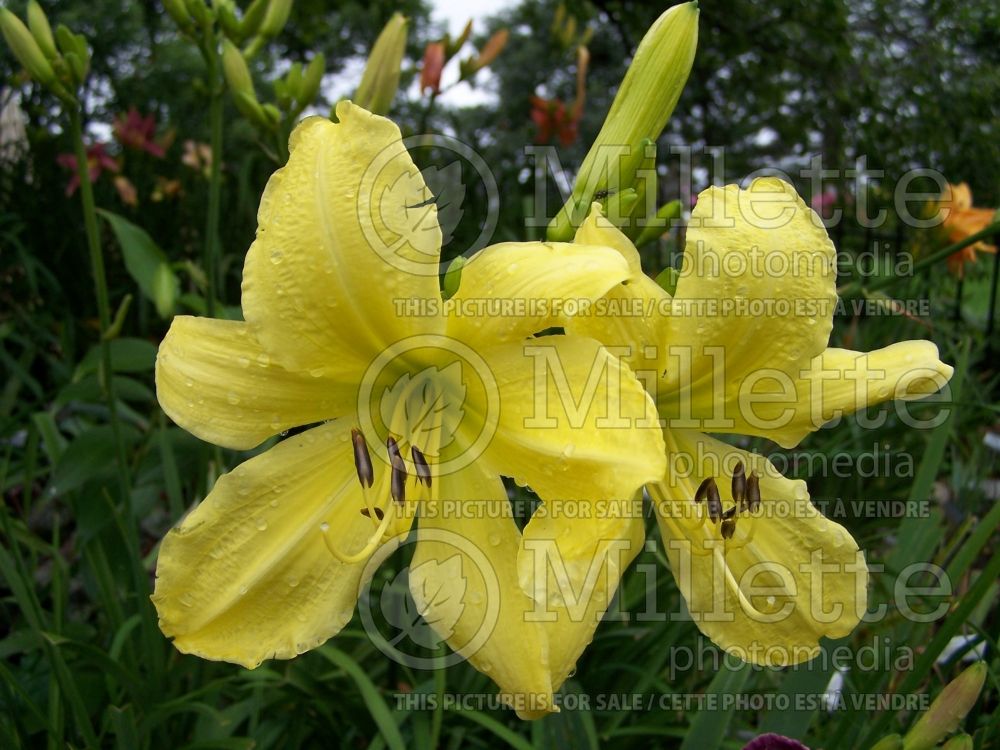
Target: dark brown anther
739,484
728,528
420,463
362,459
731,513
392,446
714,501
397,482
379,513
753,491
702,491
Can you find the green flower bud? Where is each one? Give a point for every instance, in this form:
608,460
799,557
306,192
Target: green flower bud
165,290
250,108
24,47
253,18
275,18
40,29
177,11
659,223
77,67
892,742
311,80
199,12
453,46
234,67
272,115
381,77
958,742
453,277
75,52
294,79
228,21
947,710
644,102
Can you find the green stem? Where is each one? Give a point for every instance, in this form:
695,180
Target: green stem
938,255
103,309
130,533
215,93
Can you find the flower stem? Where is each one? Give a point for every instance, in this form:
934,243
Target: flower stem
856,287
215,93
103,309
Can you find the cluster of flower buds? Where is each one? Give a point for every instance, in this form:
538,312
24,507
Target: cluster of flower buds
620,168
565,28
262,21
438,54
59,62
293,93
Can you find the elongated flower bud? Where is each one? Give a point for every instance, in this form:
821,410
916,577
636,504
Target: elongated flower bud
40,29
947,710
644,102
234,67
381,77
24,47
311,80
275,18
490,51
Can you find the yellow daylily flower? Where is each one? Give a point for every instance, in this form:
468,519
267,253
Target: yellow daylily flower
416,408
740,348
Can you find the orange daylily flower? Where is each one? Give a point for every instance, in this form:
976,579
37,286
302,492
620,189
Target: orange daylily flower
960,220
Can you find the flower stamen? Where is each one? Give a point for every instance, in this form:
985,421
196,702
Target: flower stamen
397,482
420,464
373,541
746,498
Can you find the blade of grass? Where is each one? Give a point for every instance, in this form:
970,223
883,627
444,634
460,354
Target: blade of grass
370,694
709,726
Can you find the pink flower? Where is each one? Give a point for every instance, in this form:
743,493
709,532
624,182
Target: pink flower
137,132
98,161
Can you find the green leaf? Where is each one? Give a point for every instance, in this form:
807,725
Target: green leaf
373,699
127,355
709,727
90,456
145,262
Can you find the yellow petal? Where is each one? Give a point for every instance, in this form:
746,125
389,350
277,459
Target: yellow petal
214,379
463,578
347,232
571,562
573,421
840,382
247,576
630,319
756,293
515,289
786,578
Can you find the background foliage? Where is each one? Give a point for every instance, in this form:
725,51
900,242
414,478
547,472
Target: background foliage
907,84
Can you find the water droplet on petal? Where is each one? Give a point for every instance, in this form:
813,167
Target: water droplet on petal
277,256
495,539
232,398
261,524
263,360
